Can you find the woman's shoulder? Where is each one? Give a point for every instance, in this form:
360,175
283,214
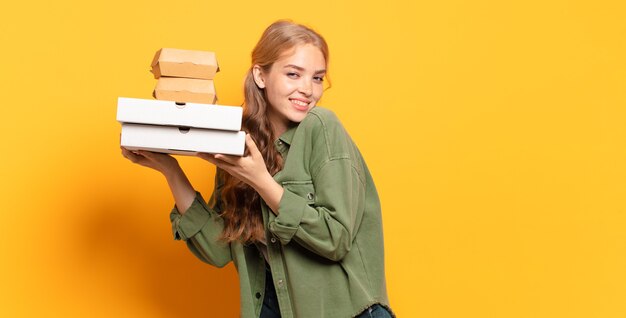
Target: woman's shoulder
322,112
327,131
324,119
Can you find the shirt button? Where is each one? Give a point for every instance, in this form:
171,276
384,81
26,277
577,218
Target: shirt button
258,295
280,283
310,196
280,142
273,240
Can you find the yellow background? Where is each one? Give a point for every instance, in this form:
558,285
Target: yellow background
495,132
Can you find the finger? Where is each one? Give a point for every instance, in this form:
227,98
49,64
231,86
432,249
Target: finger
205,156
155,156
127,153
147,154
131,156
251,145
124,151
218,162
233,160
222,163
137,156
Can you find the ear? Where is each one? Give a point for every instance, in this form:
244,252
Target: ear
258,76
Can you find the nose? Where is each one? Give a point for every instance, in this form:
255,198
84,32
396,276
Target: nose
306,87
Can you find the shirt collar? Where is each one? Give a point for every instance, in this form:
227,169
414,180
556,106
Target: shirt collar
287,136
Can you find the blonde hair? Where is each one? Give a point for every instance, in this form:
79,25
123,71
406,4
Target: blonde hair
241,203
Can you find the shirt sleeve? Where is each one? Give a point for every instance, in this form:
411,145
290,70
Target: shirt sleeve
201,227
322,215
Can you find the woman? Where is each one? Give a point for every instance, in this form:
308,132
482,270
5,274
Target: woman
298,214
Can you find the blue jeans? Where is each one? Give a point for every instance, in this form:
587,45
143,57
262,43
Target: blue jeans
376,311
270,307
270,301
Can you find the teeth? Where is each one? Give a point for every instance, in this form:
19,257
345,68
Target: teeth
297,102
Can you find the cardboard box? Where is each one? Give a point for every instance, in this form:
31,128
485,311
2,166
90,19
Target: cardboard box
182,141
184,63
185,90
160,112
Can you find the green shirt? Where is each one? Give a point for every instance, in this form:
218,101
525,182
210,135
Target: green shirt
325,247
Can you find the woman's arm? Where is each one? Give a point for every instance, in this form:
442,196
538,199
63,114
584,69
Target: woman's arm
167,165
326,228
201,228
250,169
181,188
192,219
322,216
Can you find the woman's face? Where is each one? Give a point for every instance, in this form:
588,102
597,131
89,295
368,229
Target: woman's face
293,85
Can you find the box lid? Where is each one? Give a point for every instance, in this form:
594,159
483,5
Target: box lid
169,113
184,63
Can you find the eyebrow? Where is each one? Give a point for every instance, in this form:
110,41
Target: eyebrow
302,69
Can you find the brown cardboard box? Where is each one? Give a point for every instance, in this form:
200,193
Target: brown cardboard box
185,90
184,63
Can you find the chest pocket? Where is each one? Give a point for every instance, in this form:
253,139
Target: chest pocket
303,189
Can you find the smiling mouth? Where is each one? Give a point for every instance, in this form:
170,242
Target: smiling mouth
300,105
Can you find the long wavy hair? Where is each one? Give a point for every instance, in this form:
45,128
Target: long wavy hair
241,203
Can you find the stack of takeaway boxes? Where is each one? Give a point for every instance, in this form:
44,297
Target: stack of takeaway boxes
183,119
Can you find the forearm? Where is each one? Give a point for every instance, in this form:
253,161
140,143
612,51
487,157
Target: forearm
181,188
200,226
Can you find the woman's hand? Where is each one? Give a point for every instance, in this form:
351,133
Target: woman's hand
181,188
250,168
163,163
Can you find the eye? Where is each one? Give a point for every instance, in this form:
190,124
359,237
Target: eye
293,75
319,78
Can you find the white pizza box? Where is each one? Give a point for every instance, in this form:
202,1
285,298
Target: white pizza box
182,141
162,112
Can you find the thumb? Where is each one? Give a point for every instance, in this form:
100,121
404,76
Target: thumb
251,145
